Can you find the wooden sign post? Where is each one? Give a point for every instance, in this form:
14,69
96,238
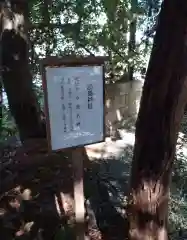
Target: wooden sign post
74,107
77,160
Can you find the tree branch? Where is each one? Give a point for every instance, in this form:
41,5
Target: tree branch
42,25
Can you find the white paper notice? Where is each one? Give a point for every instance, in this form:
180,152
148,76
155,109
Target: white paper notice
76,107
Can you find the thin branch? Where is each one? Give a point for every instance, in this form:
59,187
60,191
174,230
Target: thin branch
86,49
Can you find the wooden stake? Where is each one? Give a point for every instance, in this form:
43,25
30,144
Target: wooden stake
77,159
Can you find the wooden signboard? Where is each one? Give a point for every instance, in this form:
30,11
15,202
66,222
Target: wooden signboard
74,107
74,101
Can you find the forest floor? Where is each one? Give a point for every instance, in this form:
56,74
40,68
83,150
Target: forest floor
36,201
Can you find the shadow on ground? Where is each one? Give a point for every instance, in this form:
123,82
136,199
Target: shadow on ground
43,214
106,186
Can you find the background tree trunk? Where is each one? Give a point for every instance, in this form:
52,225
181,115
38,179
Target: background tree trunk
16,74
132,37
162,105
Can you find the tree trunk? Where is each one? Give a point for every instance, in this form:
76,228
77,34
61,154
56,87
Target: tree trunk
16,74
48,30
132,37
149,15
161,110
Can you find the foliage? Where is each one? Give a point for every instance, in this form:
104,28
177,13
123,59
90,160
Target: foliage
8,127
178,204
93,27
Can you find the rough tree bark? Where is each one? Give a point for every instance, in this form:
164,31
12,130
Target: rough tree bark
16,74
161,110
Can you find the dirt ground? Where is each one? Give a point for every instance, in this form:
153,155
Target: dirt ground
36,202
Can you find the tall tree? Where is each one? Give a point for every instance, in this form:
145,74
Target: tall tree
162,106
132,36
16,74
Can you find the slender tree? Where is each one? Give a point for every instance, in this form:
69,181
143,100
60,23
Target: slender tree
162,106
132,36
